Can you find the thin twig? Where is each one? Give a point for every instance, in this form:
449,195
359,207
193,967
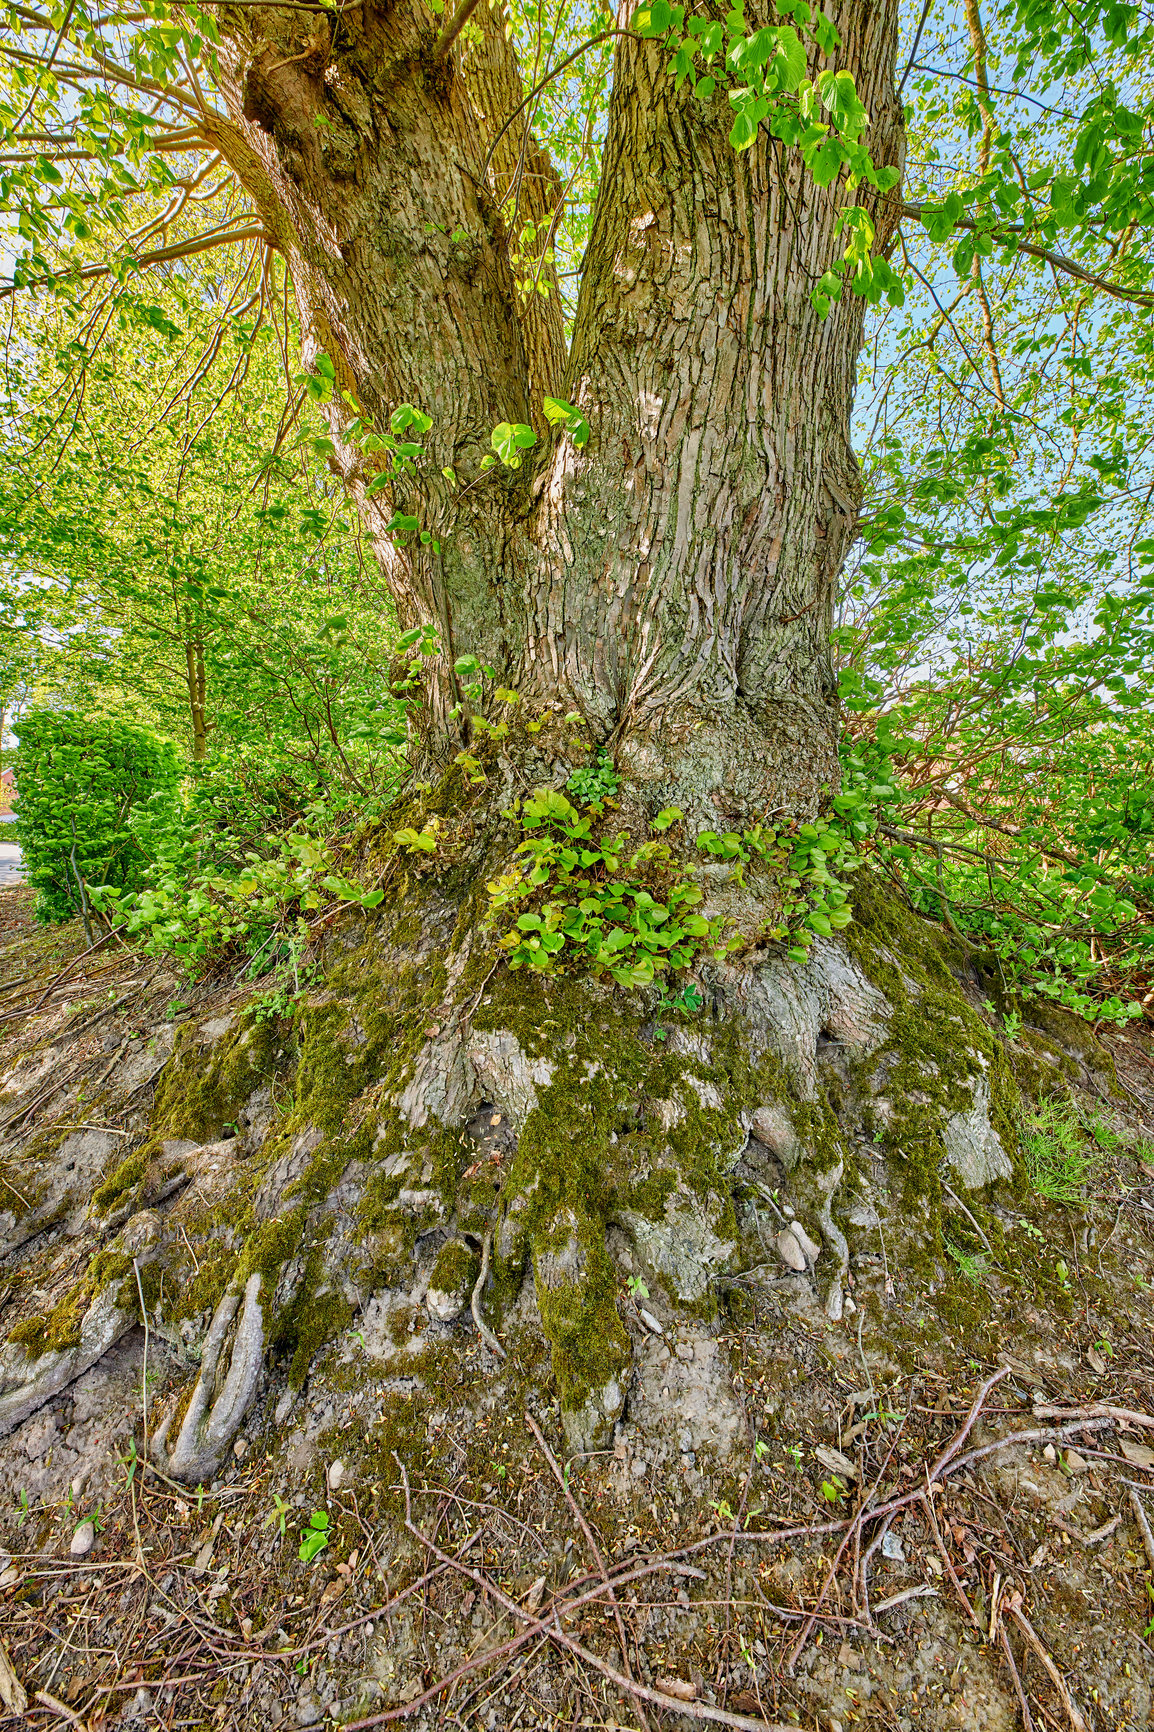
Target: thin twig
73,966
1143,1525
455,25
948,1562
595,1550
1014,1606
1027,1721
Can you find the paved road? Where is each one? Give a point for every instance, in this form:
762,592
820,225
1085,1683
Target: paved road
11,860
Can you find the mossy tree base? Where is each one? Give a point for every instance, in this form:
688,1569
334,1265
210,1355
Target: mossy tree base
297,1176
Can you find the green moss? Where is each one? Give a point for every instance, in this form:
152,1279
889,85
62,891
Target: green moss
316,1313
204,1287
59,1330
268,1248
456,1268
585,1157
332,1068
937,1048
817,1126
126,1177
129,1296
199,1095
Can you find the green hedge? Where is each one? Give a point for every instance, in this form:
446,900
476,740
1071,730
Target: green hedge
80,780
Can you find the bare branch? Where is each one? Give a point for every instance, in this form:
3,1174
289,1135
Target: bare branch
162,255
1002,231
455,25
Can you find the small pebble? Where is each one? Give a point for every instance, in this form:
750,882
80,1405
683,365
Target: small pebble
240,1448
336,1475
684,1351
812,1251
790,1251
651,1322
83,1539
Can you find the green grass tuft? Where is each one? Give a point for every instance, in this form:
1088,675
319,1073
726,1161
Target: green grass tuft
1062,1152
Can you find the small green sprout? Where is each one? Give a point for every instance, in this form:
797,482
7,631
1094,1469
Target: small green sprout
315,1537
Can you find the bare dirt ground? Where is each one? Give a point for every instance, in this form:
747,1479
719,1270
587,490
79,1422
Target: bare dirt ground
933,1514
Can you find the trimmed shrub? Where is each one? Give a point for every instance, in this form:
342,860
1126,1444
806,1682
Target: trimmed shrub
79,781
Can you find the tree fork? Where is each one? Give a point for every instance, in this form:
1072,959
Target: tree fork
673,581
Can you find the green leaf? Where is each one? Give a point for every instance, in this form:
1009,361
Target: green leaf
509,439
557,411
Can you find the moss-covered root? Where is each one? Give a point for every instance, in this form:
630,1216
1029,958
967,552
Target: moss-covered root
453,1279
212,1418
35,1368
43,1355
576,1295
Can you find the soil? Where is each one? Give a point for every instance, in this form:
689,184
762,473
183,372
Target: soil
738,1509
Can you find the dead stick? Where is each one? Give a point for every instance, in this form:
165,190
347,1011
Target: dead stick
539,1628
673,1704
960,1437
867,1559
723,1652
807,1628
1038,1434
1059,1683
552,1627
1143,1525
1027,1721
923,1591
594,1549
863,1515
1096,1410
58,1707
44,1095
73,966
948,1562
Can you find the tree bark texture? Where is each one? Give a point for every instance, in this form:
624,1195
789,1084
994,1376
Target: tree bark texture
672,581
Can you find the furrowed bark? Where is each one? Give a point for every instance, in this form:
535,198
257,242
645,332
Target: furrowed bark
724,461
527,190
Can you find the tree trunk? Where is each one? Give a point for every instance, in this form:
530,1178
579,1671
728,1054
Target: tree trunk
196,679
673,581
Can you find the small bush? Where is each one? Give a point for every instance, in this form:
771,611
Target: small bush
80,782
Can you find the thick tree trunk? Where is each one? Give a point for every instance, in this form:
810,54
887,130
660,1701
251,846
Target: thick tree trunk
673,581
